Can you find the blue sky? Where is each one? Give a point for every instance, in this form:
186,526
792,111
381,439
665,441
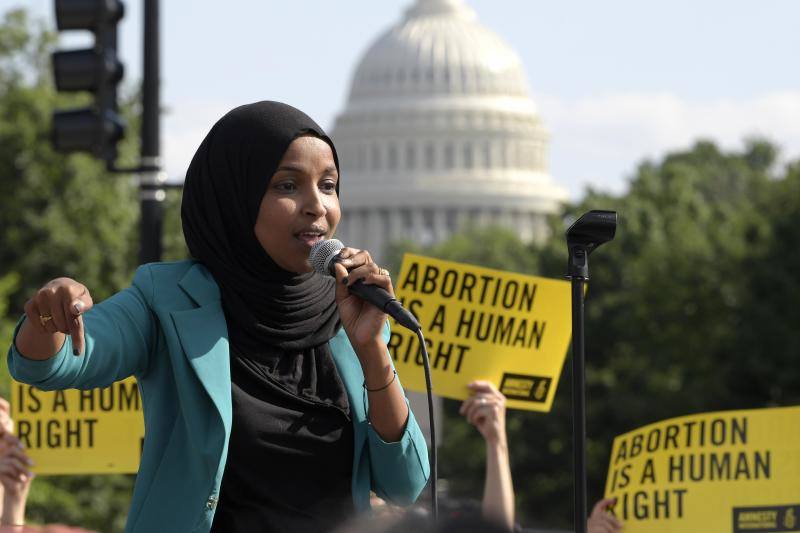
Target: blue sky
615,81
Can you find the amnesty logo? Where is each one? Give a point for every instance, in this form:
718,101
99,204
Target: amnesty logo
765,519
526,388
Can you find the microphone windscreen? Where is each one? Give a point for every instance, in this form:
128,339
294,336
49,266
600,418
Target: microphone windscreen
323,253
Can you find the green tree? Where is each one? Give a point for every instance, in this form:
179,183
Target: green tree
59,215
690,309
763,371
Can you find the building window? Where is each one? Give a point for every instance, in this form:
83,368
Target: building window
347,157
531,155
487,155
451,218
542,153
411,156
391,159
428,236
361,157
407,219
449,156
430,156
526,158
513,151
376,157
468,162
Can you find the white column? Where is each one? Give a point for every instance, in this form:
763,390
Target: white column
372,232
417,224
462,219
540,227
396,229
507,221
440,232
484,217
356,228
523,224
343,232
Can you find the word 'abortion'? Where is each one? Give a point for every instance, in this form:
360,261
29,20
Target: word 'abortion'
687,434
466,287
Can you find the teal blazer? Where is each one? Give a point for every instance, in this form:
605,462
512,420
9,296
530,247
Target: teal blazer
168,329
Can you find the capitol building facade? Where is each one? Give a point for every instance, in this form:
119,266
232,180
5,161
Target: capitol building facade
439,132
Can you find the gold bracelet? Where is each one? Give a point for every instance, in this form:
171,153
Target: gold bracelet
394,376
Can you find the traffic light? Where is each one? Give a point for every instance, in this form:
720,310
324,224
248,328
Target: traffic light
98,128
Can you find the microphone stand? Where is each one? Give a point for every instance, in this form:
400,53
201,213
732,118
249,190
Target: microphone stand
587,233
578,403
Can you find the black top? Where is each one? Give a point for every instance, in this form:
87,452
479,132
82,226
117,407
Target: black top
290,459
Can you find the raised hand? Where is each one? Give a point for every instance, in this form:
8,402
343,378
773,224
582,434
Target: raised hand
486,410
362,321
15,474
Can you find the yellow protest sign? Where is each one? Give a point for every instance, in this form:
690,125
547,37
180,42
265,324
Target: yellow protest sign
735,471
480,323
96,431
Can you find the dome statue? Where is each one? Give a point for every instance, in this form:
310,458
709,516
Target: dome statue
440,132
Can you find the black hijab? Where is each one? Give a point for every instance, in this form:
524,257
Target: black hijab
280,319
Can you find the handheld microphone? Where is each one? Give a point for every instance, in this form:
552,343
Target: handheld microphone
325,254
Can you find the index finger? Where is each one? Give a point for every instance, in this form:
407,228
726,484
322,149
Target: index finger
4,405
75,310
76,332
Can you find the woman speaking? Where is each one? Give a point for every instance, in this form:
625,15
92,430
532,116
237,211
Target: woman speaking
270,399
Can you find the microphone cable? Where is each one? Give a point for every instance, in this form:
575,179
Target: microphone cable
433,452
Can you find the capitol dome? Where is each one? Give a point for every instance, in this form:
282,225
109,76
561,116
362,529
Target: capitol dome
439,132
438,49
